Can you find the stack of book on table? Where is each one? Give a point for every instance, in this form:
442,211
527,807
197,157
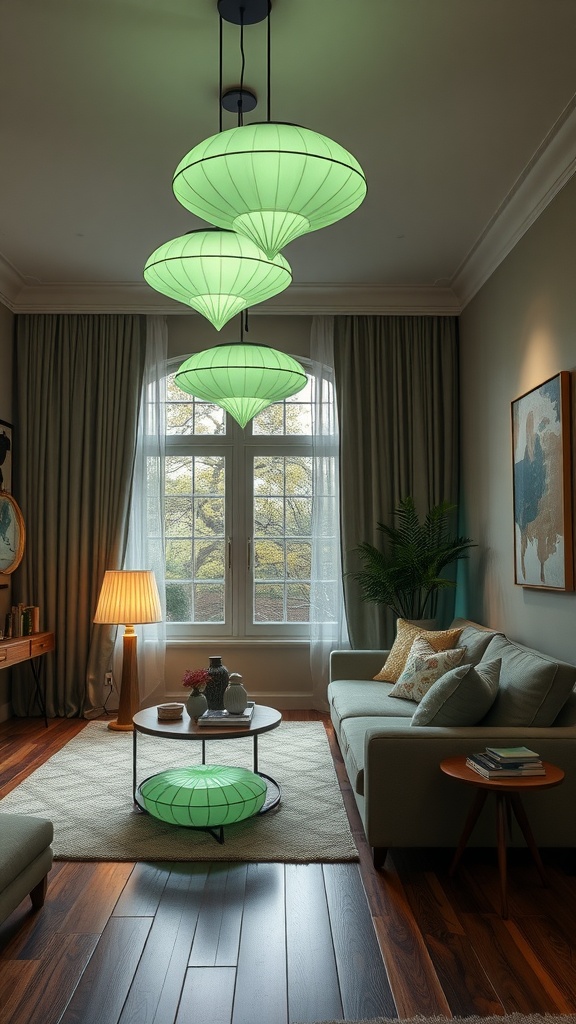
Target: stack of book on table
506,762
218,718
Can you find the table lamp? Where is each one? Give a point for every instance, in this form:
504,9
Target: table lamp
128,596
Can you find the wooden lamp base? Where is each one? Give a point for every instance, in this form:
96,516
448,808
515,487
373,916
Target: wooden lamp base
129,695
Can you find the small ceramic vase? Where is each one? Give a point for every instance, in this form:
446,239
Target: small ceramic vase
235,696
216,684
196,705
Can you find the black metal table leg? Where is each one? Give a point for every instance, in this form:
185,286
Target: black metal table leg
40,697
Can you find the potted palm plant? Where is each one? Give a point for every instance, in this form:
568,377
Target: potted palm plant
407,574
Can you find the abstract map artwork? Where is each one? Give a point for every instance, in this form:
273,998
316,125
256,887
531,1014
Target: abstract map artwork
542,493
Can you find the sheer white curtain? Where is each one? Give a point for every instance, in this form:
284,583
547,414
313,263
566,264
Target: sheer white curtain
328,629
145,546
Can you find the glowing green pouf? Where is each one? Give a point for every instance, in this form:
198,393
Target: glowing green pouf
203,796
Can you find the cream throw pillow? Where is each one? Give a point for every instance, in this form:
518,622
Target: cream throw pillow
423,667
406,634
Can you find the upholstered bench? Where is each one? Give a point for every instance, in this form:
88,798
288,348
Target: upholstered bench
25,860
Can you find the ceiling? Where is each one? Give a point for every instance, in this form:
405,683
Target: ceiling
461,113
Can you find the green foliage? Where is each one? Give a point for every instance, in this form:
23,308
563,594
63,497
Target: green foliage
407,574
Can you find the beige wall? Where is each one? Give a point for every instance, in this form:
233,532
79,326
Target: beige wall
519,330
6,407
277,674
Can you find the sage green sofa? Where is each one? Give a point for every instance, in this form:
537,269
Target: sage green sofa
393,765
25,860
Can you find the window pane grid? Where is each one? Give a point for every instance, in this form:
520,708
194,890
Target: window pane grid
205,452
195,538
282,527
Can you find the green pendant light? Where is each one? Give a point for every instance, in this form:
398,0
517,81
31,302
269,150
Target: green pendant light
269,181
241,377
218,273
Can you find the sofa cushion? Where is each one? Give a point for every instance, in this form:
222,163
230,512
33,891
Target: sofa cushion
474,638
460,697
406,633
355,698
533,687
353,746
423,667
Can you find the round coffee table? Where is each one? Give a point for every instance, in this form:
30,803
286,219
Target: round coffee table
507,792
263,720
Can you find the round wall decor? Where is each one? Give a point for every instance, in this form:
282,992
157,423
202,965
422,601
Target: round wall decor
12,533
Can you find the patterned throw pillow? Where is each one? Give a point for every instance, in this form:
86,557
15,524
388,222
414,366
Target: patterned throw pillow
406,634
423,667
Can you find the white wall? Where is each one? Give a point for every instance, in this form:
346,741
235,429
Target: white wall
519,330
6,407
275,673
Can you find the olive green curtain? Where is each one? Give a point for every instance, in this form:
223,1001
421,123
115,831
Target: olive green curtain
396,381
78,381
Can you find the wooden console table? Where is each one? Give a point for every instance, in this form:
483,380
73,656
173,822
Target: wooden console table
28,648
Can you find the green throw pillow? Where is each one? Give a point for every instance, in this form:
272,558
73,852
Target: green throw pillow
460,697
533,688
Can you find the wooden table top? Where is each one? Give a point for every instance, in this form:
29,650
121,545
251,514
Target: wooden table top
457,768
147,721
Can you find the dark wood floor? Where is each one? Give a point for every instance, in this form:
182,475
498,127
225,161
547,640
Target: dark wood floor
273,943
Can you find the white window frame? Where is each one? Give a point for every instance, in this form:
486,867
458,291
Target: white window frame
240,447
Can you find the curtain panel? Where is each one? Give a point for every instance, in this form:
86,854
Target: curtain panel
328,630
396,383
78,381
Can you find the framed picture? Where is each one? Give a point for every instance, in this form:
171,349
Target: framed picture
5,456
12,534
543,556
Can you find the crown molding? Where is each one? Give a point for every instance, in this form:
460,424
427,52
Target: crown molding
11,284
298,299
545,175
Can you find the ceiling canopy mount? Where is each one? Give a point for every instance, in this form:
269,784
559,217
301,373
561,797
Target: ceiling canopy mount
243,12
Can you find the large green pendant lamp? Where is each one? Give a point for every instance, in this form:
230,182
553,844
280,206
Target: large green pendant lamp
269,181
242,378
218,273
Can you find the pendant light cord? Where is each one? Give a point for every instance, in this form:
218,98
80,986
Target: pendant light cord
220,81
268,62
243,55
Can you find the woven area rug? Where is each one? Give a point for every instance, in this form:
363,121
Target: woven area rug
510,1018
86,791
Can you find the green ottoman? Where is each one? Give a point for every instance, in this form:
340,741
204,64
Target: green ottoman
25,860
206,796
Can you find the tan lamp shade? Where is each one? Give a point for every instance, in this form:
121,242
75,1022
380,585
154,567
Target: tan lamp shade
128,596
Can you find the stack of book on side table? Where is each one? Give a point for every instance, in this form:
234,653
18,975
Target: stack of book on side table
506,762
218,718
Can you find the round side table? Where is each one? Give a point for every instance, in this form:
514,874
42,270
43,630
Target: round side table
507,792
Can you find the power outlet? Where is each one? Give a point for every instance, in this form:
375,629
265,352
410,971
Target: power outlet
109,680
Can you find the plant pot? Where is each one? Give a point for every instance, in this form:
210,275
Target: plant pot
196,705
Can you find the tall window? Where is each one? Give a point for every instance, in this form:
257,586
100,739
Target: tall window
238,518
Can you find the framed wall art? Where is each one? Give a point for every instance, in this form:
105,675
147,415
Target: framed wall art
543,556
5,456
12,534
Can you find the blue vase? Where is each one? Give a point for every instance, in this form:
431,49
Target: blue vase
217,684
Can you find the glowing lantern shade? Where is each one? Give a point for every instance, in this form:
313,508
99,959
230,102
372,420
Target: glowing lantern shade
204,796
241,378
270,181
218,273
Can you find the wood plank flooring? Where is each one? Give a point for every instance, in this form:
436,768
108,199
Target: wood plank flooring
280,943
